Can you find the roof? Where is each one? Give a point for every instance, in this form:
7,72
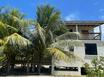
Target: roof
94,23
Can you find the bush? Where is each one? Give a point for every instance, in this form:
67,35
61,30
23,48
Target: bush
96,69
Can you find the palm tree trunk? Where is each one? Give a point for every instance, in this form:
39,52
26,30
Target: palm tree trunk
39,64
12,62
27,68
33,67
8,67
8,63
39,69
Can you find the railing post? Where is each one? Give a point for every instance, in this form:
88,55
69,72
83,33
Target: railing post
100,31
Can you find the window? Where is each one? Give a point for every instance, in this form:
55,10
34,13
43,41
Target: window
71,48
90,49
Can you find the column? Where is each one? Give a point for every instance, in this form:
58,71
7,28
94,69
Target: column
52,66
77,31
100,31
76,28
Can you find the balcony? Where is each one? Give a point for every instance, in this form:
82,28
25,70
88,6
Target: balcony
90,36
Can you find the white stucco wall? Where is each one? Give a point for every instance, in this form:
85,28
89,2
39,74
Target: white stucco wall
80,51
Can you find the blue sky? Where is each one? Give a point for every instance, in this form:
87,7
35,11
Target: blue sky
70,9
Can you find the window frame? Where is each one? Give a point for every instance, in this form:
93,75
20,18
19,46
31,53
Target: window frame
93,50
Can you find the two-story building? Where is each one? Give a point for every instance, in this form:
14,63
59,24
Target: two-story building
92,46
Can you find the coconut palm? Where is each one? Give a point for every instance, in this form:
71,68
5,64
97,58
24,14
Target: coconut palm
49,18
14,46
11,43
13,20
47,42
54,48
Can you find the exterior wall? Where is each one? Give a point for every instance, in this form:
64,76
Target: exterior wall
66,73
80,52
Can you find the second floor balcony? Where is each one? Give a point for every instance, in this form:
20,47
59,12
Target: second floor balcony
86,29
90,36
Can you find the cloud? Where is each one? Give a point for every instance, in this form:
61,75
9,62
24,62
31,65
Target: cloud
72,16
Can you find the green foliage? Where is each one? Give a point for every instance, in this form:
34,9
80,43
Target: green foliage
49,18
96,69
15,42
12,21
48,40
12,31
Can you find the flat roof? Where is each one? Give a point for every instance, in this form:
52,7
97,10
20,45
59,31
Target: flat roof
94,23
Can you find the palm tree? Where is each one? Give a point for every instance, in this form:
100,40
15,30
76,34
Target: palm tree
47,41
13,20
12,32
55,48
49,18
14,46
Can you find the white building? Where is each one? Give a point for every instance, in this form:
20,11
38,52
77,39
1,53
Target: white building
92,46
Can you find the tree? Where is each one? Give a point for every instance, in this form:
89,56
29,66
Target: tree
55,47
47,41
13,21
49,29
49,18
12,32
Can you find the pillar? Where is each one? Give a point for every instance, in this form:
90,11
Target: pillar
100,31
77,30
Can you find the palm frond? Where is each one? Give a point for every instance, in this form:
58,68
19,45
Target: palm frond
49,38
2,59
3,30
6,30
1,49
16,13
41,34
1,42
49,18
54,21
64,46
61,54
15,41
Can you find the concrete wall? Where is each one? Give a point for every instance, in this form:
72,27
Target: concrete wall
80,52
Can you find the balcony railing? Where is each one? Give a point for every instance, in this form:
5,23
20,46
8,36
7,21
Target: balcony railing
90,36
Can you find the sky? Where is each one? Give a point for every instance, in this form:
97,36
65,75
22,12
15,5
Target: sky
70,9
